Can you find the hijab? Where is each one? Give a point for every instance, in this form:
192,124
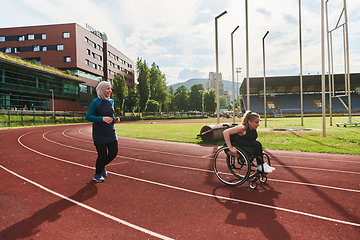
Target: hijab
100,90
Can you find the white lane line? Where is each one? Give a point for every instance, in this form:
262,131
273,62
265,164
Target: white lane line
211,171
90,208
202,193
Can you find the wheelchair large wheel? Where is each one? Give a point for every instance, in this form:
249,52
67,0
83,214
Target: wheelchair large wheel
231,170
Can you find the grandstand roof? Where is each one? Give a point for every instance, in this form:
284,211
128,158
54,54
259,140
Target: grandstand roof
291,84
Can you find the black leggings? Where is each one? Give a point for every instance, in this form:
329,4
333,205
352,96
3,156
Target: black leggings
106,153
256,145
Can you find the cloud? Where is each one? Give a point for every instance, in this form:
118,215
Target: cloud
188,73
263,11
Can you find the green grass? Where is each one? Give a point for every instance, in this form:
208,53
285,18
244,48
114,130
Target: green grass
345,140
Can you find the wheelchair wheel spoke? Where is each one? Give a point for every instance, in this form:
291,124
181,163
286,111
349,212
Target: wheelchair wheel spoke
231,170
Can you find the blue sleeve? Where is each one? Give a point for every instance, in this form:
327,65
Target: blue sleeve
92,108
112,103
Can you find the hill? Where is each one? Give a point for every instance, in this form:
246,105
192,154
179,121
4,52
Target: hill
190,82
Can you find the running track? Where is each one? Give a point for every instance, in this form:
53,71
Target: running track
165,190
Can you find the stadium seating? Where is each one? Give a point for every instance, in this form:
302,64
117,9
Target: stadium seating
289,104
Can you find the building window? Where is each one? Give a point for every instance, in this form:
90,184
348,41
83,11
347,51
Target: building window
2,38
21,38
7,49
83,88
43,36
90,42
44,49
88,51
66,35
67,59
100,68
36,48
17,50
100,48
60,47
31,37
91,64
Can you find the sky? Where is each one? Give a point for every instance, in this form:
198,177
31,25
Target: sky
179,36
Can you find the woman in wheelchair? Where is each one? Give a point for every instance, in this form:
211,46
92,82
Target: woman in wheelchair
245,135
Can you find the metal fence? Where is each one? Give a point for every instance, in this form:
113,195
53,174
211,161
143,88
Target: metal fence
34,117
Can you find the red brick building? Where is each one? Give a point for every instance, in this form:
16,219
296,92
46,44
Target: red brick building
85,52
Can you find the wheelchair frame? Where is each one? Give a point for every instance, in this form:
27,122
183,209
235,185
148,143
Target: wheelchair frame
241,166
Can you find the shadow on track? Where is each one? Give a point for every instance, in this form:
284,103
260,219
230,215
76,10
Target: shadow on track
28,227
251,216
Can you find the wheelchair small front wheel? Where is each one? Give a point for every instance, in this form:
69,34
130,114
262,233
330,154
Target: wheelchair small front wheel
263,178
253,184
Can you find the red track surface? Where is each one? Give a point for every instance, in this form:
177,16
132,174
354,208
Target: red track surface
165,190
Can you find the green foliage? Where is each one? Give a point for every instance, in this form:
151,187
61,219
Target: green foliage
143,86
120,89
196,97
157,83
131,101
222,101
152,106
35,65
181,98
210,101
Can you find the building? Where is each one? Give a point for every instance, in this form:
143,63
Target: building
32,87
83,52
211,83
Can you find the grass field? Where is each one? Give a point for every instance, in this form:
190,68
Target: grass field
345,140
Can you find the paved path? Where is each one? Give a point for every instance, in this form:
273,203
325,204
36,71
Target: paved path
166,190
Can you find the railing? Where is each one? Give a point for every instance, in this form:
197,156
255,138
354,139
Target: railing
34,117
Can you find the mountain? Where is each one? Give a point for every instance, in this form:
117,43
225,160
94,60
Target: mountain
190,82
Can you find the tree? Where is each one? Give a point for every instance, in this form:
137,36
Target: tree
152,106
131,101
120,89
210,101
157,83
196,97
181,98
143,86
170,100
222,101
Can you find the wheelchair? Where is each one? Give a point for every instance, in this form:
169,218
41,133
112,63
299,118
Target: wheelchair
235,170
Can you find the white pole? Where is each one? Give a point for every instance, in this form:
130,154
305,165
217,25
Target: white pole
217,68
247,57
323,103
265,102
232,71
347,72
238,70
301,77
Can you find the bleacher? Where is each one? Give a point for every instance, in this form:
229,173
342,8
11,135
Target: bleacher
283,95
289,104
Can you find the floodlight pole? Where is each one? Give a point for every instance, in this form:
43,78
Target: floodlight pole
53,106
301,75
232,71
202,100
238,70
265,103
217,68
247,56
323,102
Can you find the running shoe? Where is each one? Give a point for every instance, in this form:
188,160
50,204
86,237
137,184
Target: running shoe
272,168
98,178
266,168
104,173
